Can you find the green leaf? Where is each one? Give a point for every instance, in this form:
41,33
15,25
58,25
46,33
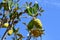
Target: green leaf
30,3
6,8
30,25
5,5
13,29
32,11
41,10
10,4
36,6
13,15
29,11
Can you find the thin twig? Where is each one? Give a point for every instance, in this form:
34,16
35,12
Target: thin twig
7,31
15,36
40,37
29,37
25,17
4,34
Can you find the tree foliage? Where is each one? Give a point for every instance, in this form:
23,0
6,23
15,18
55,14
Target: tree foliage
11,16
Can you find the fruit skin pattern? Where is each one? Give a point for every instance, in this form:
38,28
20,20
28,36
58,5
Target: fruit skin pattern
34,22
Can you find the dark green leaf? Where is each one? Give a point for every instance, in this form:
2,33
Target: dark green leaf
41,10
36,6
14,15
30,25
13,29
30,3
27,3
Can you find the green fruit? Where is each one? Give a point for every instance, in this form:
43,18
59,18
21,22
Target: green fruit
38,23
34,23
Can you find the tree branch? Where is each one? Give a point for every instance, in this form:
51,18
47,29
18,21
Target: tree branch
7,31
4,34
29,37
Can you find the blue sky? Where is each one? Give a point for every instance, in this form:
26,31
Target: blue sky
50,19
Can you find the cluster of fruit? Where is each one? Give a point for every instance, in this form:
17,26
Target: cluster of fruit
6,25
35,27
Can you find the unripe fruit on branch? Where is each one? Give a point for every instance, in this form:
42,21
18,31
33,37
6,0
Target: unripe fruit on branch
34,23
10,32
6,24
38,23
